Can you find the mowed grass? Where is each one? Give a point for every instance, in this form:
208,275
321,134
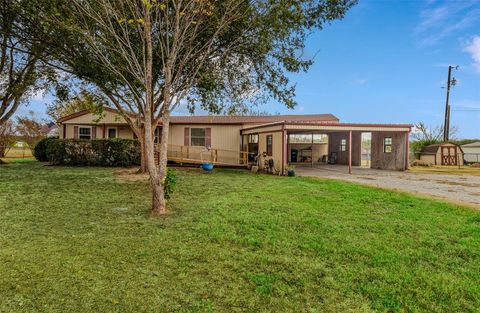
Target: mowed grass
80,240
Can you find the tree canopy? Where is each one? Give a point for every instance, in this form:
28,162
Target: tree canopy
147,56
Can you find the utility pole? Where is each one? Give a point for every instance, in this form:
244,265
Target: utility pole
446,124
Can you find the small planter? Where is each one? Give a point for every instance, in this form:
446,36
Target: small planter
207,167
291,173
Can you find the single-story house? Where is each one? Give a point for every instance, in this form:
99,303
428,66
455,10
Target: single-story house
442,154
237,140
471,152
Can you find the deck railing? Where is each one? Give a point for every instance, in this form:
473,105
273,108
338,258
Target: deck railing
197,155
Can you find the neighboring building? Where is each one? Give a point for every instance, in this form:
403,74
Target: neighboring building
442,154
52,130
236,140
471,152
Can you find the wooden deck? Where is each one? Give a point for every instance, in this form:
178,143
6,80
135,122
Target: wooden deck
199,155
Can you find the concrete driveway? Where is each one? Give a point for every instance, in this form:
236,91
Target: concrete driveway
463,189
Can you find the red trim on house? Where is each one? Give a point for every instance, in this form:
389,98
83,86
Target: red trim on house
407,150
350,152
284,134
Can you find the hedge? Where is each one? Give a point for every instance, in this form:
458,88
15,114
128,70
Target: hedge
98,152
40,150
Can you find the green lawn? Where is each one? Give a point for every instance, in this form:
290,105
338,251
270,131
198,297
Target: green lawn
79,240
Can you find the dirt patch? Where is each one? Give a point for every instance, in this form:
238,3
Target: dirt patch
130,175
367,178
454,183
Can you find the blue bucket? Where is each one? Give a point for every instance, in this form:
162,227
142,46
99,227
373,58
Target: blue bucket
207,166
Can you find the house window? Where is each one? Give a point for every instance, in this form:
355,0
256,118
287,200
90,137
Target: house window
253,138
112,133
343,145
85,133
270,145
155,136
197,137
387,144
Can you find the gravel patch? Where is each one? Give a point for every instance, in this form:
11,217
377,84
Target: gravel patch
455,188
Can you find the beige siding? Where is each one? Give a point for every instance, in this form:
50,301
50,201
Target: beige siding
276,148
427,158
124,132
265,129
107,118
224,137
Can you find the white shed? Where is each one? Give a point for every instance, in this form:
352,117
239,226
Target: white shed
471,152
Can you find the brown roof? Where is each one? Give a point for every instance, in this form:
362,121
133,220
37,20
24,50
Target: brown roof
225,119
330,123
434,148
431,148
216,119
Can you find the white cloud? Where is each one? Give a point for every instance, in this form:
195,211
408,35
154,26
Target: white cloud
438,21
473,47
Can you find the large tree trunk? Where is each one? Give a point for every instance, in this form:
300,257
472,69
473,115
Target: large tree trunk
163,158
158,196
143,155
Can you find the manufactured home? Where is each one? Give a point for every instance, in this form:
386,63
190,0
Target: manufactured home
244,140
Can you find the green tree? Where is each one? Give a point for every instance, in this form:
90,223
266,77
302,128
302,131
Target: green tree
7,138
147,56
31,129
22,73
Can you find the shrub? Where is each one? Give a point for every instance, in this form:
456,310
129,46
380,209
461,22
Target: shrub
40,151
98,152
170,182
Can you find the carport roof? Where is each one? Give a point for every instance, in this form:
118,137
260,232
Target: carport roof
326,126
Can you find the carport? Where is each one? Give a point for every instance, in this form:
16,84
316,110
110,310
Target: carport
379,146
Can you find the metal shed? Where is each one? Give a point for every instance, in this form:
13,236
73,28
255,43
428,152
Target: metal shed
471,152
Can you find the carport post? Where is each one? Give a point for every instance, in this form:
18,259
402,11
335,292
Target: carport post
407,150
350,152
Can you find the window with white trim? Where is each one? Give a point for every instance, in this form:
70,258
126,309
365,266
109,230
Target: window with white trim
84,132
253,138
197,137
270,145
343,145
387,145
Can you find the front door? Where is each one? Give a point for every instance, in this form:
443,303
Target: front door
449,155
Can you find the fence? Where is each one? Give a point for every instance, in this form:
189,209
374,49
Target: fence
188,154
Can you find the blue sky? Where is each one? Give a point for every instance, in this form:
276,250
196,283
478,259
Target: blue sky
387,61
